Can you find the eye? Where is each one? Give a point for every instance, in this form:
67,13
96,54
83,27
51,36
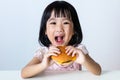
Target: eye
66,22
53,23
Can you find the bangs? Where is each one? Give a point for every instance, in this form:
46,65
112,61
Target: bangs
61,12
60,9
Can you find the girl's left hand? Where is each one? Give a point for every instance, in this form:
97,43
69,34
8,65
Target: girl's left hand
70,50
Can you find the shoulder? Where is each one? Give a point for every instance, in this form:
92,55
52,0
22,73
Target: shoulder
83,48
40,51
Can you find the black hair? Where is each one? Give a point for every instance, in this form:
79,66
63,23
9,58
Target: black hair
67,10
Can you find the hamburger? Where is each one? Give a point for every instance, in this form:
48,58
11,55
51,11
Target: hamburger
63,59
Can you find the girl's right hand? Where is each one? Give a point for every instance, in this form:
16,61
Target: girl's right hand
53,50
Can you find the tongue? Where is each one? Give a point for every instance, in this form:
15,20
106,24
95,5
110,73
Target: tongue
59,39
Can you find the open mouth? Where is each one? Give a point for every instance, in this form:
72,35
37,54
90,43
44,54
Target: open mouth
59,39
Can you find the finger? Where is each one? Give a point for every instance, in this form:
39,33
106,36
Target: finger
68,49
70,52
53,47
74,53
50,54
54,50
54,55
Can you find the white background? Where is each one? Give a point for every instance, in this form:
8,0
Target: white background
19,28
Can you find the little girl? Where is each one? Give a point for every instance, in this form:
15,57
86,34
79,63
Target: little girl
60,27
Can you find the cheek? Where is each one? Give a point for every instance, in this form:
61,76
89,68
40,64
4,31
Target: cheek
70,32
49,32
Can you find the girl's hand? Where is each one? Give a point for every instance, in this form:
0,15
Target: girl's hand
70,50
51,51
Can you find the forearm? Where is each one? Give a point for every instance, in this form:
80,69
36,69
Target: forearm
32,70
91,65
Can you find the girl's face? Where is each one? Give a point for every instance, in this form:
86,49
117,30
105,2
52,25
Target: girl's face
59,30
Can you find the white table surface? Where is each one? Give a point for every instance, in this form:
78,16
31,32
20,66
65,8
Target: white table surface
74,75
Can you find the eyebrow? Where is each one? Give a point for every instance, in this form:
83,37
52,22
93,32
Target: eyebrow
62,19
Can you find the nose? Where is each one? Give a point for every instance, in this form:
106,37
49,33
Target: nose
59,28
